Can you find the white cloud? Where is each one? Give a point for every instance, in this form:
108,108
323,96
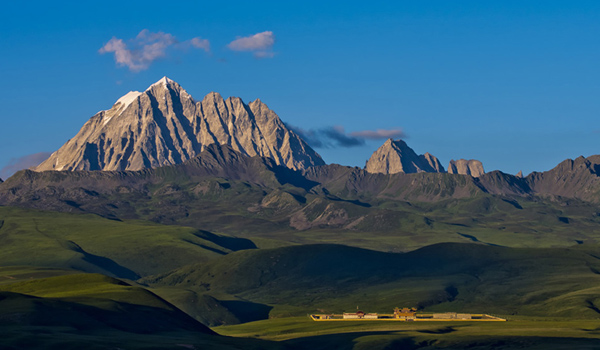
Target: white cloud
200,43
336,136
260,44
139,53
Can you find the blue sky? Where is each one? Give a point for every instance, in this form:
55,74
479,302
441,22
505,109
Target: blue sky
514,84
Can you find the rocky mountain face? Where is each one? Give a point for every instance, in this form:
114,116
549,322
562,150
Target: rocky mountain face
164,126
466,167
572,178
396,157
433,162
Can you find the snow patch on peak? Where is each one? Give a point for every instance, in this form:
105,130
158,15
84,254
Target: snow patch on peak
128,98
121,104
163,81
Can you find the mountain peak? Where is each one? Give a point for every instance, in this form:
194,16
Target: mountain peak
394,156
164,81
213,96
165,126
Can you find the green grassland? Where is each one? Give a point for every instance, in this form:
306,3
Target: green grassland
94,244
150,285
98,312
475,278
517,333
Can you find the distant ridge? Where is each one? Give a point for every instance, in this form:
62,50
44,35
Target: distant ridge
164,126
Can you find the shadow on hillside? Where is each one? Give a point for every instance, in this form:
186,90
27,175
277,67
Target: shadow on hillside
24,310
348,341
443,330
104,263
246,311
293,177
231,243
397,340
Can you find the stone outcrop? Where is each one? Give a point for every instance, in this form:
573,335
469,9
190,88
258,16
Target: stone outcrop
396,157
466,167
433,162
164,126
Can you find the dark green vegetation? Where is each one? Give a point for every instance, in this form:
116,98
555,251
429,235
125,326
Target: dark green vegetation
144,259
445,277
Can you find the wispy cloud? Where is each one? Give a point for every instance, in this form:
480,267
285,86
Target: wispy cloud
25,162
379,134
336,136
328,137
200,43
138,53
259,44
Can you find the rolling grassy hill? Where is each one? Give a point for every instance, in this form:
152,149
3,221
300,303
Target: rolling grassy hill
182,275
219,279
91,243
93,311
295,280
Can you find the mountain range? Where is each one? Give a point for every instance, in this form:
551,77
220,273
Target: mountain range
161,145
165,216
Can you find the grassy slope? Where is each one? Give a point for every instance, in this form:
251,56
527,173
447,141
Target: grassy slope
93,244
446,277
390,225
96,311
132,248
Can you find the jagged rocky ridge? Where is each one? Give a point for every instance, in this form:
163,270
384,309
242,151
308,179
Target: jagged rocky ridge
164,126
